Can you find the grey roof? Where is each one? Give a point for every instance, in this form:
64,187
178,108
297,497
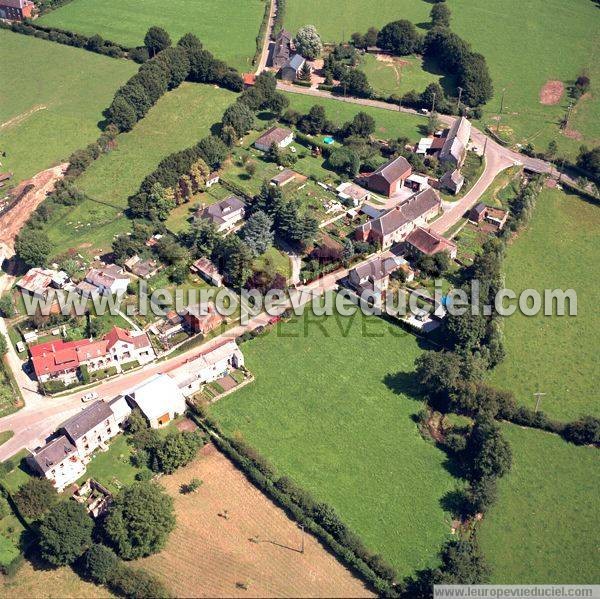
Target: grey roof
217,212
479,208
295,62
274,135
393,219
455,146
79,425
53,453
454,176
377,269
393,170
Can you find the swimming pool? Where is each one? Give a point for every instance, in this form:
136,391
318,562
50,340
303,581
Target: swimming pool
328,140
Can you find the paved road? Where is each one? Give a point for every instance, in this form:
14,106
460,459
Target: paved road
42,415
262,63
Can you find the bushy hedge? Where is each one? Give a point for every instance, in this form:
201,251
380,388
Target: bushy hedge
317,518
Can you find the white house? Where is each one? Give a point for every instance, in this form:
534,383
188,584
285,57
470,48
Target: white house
91,428
225,214
280,136
109,279
58,461
125,346
208,367
120,409
159,399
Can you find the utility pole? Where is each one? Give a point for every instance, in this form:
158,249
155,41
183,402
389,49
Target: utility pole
538,397
460,90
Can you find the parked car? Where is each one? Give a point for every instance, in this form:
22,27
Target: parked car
89,396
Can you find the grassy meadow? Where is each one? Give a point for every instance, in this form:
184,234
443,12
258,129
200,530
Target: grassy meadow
332,408
228,29
544,526
389,123
178,120
558,354
55,108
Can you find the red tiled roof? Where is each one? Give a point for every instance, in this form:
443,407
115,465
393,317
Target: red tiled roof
249,78
55,356
118,334
429,242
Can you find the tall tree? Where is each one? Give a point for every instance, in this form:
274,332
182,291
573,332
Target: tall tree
399,37
258,232
156,40
308,42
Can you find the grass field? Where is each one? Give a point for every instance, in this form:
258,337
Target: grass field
335,25
559,354
56,107
389,123
544,527
228,29
179,119
332,409
398,75
526,44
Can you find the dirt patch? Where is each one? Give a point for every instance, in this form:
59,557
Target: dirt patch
252,549
391,59
572,134
186,425
12,221
16,120
551,92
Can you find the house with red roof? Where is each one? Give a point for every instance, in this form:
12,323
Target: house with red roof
16,10
61,360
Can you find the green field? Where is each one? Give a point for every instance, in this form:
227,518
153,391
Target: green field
228,29
398,75
390,123
544,527
557,354
51,100
179,119
335,24
331,407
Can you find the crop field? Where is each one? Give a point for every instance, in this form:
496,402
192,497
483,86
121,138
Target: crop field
56,107
526,45
209,555
332,408
228,29
389,123
557,354
335,24
544,526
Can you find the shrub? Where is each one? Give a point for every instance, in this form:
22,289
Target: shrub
35,497
583,432
100,563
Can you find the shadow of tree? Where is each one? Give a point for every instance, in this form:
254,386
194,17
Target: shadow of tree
456,503
403,383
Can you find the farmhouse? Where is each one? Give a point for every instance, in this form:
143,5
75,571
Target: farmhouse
109,279
452,181
224,214
389,178
91,428
58,461
201,318
16,10
280,136
159,400
37,281
208,271
421,241
290,71
454,150
209,366
373,276
144,269
168,327
281,49
395,224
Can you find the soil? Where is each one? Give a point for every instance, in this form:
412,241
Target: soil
551,92
12,221
231,541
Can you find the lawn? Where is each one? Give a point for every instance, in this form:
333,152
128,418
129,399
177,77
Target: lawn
228,29
180,118
556,354
274,260
336,25
332,408
544,526
526,44
389,123
56,107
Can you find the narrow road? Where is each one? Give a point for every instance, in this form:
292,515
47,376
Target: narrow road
262,63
